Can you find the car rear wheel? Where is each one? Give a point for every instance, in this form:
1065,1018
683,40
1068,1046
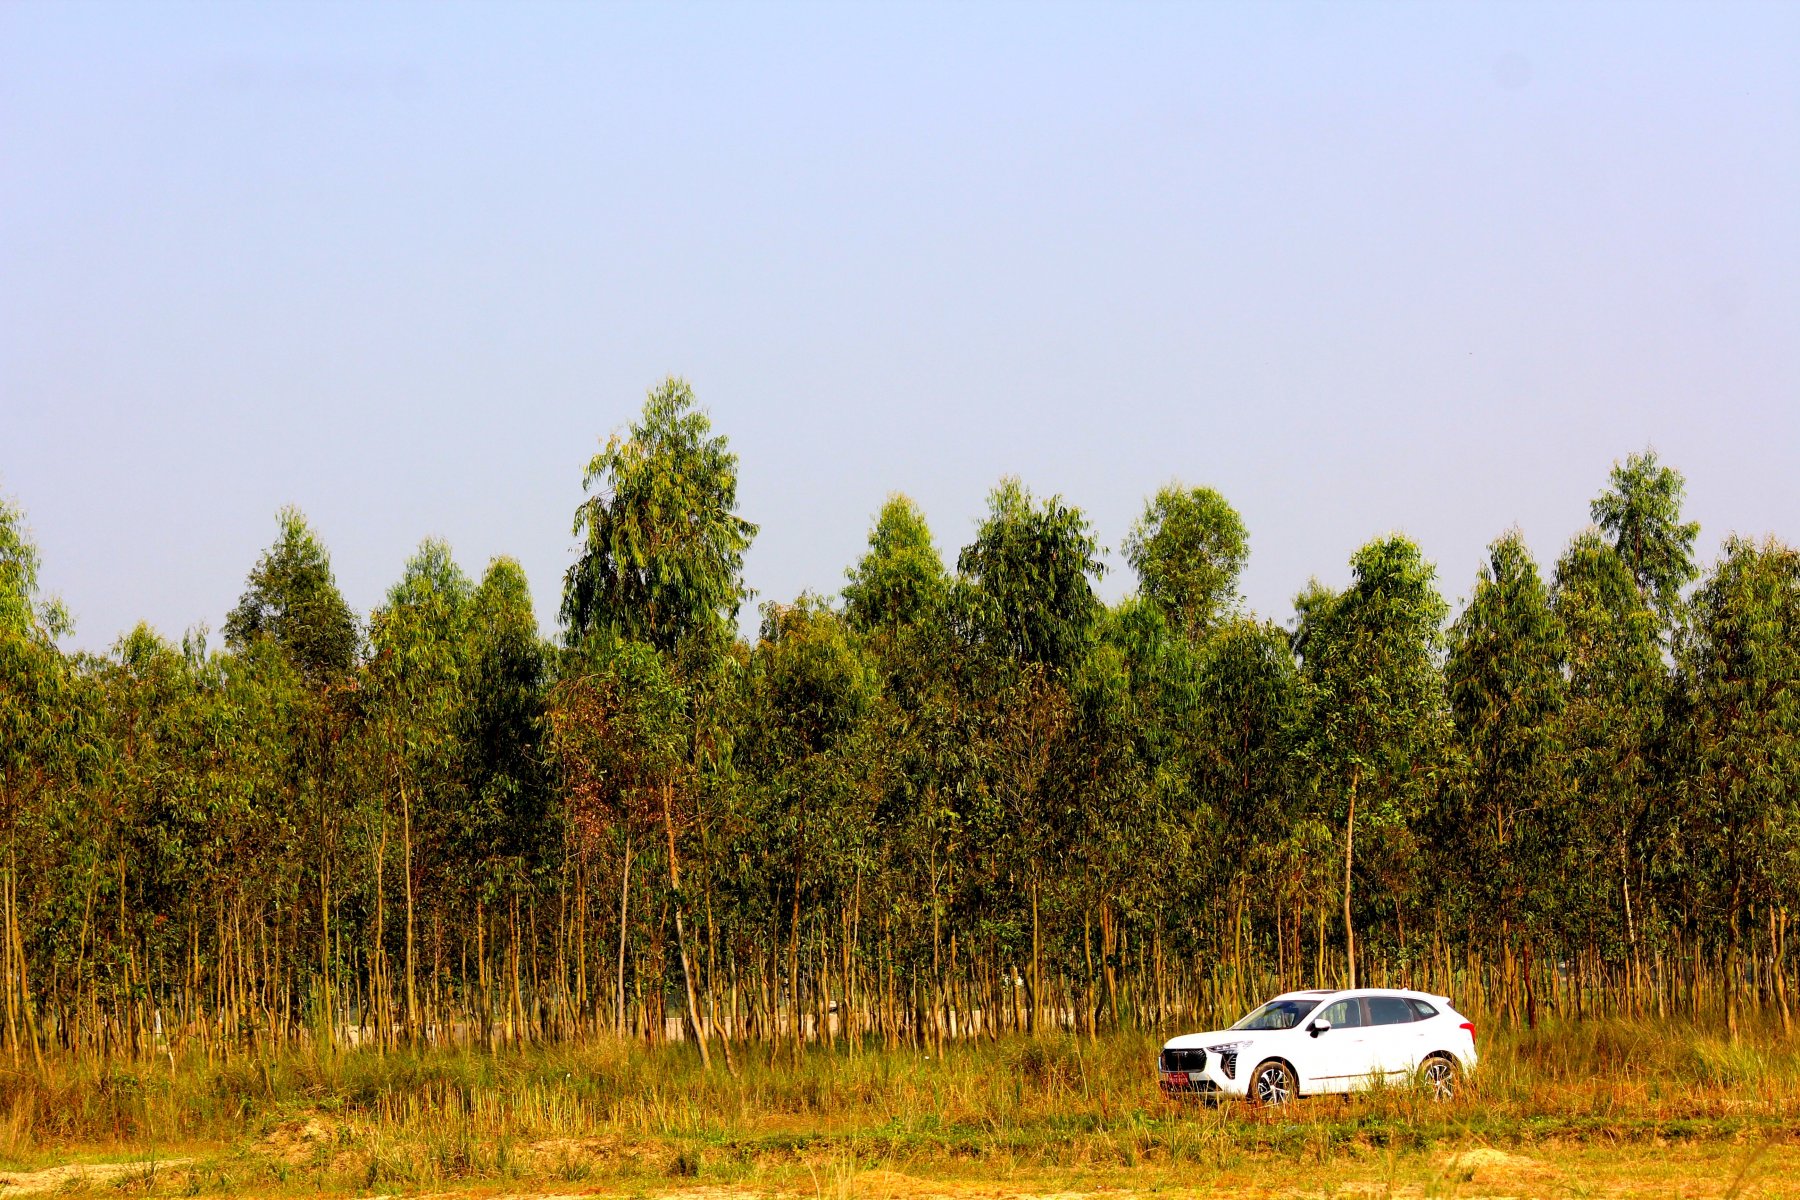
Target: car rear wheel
1439,1077
1273,1084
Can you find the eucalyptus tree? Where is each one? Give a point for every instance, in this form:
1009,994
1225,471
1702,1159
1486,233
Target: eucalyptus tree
1740,700
1102,796
1188,548
291,602
1375,721
922,742
662,546
292,598
1028,577
620,734
175,838
807,744
1641,513
1242,825
414,695
1025,609
1618,690
508,826
254,704
39,734
1505,674
901,578
660,567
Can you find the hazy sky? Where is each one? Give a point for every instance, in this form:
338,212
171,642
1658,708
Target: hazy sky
1361,267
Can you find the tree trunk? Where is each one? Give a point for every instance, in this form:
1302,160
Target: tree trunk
695,1018
624,910
412,993
1349,860
1037,975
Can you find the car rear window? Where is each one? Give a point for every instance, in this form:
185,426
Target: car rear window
1389,1010
1422,1009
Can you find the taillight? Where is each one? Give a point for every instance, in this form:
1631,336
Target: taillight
1470,1026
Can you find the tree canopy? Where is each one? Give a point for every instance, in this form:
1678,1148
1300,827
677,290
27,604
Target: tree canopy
662,546
952,803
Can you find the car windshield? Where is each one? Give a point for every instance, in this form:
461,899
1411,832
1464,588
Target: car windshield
1277,1014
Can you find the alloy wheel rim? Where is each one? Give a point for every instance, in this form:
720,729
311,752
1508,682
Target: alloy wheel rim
1271,1086
1441,1077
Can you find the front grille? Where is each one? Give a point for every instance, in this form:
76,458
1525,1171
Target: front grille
1228,1064
1184,1060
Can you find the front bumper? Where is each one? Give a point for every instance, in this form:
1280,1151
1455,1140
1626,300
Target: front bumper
1185,1083
1199,1073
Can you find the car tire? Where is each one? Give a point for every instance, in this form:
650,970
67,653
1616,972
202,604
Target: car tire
1273,1083
1440,1076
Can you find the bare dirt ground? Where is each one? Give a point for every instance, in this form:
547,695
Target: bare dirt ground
1719,1170
1725,1172
78,1177
1715,1171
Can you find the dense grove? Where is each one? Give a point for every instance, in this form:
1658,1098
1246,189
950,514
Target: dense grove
961,799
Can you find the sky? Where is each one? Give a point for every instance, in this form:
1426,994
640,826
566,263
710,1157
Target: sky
1361,267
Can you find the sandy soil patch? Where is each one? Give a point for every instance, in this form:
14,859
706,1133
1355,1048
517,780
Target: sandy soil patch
1484,1158
71,1176
298,1143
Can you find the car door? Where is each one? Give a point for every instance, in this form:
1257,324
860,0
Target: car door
1393,1036
1339,1057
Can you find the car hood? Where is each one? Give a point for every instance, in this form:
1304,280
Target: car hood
1220,1037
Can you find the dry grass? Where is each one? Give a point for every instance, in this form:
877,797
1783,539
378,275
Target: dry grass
1602,1108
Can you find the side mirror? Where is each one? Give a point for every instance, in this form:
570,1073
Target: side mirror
1318,1025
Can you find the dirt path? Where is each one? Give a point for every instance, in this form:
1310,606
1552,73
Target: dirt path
1706,1171
1729,1171
72,1177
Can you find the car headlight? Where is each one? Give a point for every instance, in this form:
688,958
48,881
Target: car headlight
1227,1053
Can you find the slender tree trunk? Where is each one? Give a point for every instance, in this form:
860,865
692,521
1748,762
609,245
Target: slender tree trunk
1349,860
624,910
695,1018
325,953
412,993
1037,964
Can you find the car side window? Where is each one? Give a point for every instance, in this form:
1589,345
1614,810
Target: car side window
1345,1014
1389,1010
1422,1010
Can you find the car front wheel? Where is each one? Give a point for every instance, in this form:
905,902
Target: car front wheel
1273,1083
1439,1077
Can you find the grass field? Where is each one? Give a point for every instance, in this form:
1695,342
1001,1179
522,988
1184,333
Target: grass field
1591,1109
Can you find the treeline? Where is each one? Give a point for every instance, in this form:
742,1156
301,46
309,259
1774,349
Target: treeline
963,799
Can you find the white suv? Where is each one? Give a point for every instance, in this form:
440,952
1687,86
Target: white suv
1301,1043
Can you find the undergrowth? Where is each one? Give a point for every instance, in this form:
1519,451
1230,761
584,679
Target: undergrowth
361,1119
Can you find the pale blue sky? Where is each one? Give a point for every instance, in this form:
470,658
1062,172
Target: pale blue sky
1361,267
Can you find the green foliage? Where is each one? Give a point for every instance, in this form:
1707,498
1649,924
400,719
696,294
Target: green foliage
1244,704
662,546
511,815
811,676
1641,512
620,735
1375,728
1187,550
981,794
292,599
901,579
1027,594
22,612
1740,693
1507,690
1375,719
1618,695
